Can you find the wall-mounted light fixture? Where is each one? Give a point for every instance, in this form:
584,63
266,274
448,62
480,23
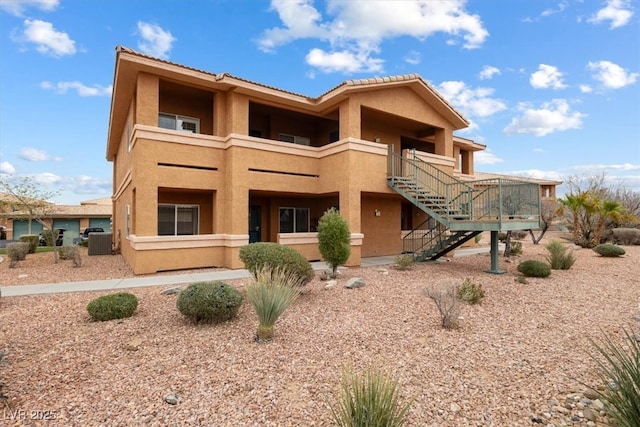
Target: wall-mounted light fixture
377,139
376,212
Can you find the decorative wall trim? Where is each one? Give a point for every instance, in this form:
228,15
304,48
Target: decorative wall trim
123,185
148,243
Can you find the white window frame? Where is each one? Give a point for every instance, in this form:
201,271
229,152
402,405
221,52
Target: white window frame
128,220
177,206
180,120
295,220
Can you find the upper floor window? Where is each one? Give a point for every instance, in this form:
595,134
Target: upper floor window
181,123
178,220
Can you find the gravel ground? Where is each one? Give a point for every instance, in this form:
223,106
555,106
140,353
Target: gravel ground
517,359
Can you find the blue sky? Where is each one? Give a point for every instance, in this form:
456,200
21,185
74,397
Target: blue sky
551,87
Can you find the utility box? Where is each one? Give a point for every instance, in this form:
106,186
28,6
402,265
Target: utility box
100,244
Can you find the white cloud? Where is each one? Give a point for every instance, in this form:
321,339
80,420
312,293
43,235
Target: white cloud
90,185
155,41
537,174
344,61
473,102
80,88
355,30
586,89
17,7
538,150
47,39
561,6
486,157
619,12
611,75
36,155
413,58
47,178
554,116
7,168
547,76
488,72
613,167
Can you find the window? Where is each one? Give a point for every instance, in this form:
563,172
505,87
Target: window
302,140
178,220
128,221
294,220
181,123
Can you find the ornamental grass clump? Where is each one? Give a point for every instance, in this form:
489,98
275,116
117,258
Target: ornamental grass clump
609,250
404,262
619,369
533,268
16,252
560,256
369,399
271,293
209,302
470,292
114,306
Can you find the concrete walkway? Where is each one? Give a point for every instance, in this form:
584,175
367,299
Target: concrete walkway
176,279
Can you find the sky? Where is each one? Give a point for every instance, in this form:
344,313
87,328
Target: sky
551,87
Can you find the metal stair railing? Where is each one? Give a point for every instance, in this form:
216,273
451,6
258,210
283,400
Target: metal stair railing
449,196
420,238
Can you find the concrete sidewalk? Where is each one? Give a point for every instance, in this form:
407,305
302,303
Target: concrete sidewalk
176,279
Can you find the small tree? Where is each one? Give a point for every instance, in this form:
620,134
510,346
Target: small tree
334,239
28,201
549,210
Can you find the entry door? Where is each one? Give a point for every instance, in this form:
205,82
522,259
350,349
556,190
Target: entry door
255,220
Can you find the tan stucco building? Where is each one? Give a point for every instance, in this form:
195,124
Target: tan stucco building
205,163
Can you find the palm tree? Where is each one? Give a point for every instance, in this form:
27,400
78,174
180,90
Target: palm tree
575,204
607,210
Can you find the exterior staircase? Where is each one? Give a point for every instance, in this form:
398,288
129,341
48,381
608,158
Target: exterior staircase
459,210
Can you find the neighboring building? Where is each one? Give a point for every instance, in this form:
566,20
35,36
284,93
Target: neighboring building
74,218
206,163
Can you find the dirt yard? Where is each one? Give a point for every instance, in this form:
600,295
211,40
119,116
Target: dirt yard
519,358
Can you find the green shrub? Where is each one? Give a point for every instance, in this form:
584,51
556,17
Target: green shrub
261,255
271,293
32,240
477,238
585,243
371,399
334,239
209,302
533,268
626,236
519,234
560,257
502,237
114,306
17,251
404,262
619,369
470,292
609,250
72,253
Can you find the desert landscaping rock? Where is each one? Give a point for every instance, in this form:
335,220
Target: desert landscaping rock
517,355
172,398
134,344
331,284
355,282
171,291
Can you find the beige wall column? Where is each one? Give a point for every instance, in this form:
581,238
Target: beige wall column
147,99
467,162
144,211
350,209
220,127
237,114
233,204
444,143
350,119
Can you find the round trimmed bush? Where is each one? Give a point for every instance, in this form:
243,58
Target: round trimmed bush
209,302
114,306
261,255
32,240
609,250
533,268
